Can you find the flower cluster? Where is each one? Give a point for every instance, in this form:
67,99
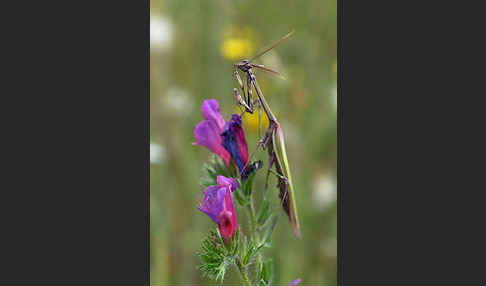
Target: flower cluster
227,140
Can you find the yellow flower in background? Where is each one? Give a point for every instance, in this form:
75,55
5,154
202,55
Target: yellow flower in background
250,121
236,48
238,43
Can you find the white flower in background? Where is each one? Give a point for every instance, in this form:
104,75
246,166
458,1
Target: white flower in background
160,32
157,153
177,101
324,191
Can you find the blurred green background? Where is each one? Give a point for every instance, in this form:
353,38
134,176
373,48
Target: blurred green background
192,48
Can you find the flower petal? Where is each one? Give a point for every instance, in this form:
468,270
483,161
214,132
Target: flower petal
211,112
227,182
225,224
230,206
207,134
227,220
213,202
235,143
240,137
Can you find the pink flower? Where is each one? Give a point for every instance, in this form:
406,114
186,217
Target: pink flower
218,205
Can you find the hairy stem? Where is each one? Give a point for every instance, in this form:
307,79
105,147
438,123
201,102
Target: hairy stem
244,276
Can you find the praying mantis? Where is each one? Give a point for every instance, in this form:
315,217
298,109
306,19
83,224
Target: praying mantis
273,139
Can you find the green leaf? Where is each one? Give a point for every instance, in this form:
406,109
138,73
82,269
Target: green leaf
262,283
264,213
265,274
251,250
211,169
214,257
269,231
248,185
243,247
240,197
237,242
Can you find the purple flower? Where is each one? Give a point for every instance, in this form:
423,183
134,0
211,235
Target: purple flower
208,132
218,205
295,282
226,139
235,143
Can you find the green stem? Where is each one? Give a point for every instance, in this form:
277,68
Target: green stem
254,233
242,270
251,211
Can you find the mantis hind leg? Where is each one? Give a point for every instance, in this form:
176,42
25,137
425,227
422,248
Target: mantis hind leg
259,119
